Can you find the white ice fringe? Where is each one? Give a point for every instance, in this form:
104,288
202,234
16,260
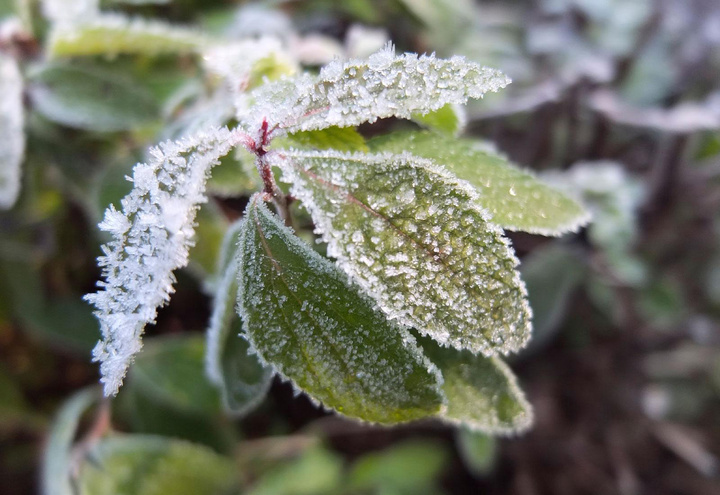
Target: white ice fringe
152,236
349,93
12,136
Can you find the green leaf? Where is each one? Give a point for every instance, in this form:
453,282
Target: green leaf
515,198
114,34
330,138
316,472
303,317
242,380
234,176
482,393
148,465
478,451
170,369
148,414
446,120
414,238
410,467
90,99
57,458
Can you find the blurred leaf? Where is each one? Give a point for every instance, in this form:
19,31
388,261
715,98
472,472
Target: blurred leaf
318,471
482,393
148,465
411,467
57,458
66,322
231,178
114,34
337,138
148,414
447,120
551,274
662,304
516,199
90,99
170,370
478,451
304,318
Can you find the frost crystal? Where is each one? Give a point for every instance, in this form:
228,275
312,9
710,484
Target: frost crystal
357,91
151,238
12,136
415,239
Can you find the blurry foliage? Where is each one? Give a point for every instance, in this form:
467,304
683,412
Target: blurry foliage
622,94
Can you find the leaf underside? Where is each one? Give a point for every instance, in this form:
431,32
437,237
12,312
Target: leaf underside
303,317
515,198
416,241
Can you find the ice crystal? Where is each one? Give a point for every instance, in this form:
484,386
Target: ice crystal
12,136
416,240
151,238
384,85
303,317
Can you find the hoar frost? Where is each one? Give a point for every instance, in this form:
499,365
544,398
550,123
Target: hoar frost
152,235
12,135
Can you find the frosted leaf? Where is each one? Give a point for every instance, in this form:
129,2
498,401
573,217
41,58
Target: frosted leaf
384,85
515,198
482,392
304,318
113,34
427,252
151,241
242,380
70,11
12,134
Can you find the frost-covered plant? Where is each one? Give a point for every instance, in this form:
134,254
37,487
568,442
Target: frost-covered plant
424,293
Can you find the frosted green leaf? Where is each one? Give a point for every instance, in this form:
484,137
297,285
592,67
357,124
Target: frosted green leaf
349,93
150,465
242,380
304,318
482,392
516,199
415,239
450,120
12,134
90,99
57,457
115,34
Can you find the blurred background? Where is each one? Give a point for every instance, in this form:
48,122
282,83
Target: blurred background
617,101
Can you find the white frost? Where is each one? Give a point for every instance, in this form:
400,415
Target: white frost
151,238
384,85
12,136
